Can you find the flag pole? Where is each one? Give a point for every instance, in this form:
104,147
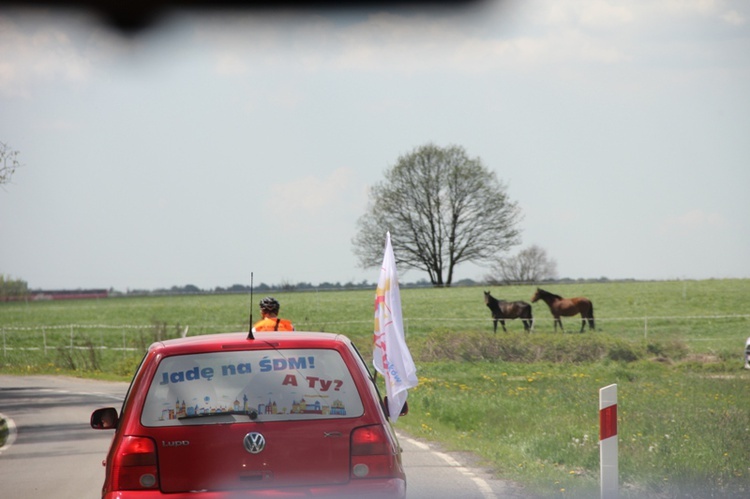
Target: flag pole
250,335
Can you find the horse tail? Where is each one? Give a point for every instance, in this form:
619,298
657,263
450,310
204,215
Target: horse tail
591,319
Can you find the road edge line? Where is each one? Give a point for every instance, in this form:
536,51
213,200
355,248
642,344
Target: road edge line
482,484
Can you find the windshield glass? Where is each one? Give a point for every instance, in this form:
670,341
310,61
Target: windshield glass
262,385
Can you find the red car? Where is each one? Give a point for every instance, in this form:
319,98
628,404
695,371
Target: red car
227,416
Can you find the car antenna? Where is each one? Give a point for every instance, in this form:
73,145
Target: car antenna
250,331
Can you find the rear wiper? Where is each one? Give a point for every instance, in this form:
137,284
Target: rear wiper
253,415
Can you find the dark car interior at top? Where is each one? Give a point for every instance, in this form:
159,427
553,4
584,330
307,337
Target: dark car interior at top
137,16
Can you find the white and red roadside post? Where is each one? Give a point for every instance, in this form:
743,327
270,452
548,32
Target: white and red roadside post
608,442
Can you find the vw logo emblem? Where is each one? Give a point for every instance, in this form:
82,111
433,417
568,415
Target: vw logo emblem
254,442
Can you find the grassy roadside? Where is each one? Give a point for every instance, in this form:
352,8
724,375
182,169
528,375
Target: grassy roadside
682,432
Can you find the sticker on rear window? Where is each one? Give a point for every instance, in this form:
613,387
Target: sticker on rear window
267,385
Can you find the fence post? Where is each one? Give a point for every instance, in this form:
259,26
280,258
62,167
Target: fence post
44,340
608,442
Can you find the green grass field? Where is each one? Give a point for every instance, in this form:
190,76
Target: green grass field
526,404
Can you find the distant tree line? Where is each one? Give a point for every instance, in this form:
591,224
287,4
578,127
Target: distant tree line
190,289
288,287
18,290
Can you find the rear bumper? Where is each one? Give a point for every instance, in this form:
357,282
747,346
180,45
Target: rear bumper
394,488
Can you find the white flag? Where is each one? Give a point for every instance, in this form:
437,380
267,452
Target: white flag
391,356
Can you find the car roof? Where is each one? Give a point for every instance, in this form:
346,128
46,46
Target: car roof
261,340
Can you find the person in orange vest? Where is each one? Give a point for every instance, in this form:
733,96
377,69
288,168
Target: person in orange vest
269,309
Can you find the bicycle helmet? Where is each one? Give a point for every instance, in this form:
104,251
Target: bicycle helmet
270,305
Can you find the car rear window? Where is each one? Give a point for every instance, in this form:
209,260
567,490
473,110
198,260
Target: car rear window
272,385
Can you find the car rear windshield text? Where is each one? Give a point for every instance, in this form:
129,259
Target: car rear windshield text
267,385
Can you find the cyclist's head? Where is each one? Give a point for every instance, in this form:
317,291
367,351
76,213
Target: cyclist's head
269,305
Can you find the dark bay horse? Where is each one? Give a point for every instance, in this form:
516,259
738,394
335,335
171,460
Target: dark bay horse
502,310
566,307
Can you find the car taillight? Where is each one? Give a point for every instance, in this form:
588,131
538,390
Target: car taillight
134,465
372,455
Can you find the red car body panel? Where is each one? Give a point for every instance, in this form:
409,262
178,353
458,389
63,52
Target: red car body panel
301,458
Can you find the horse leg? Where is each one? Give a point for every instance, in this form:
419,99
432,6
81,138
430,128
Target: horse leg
494,323
559,321
583,323
528,321
526,318
502,322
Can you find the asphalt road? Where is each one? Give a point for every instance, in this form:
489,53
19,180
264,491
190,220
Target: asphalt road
53,452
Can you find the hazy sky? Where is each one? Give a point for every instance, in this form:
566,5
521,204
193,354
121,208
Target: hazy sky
223,144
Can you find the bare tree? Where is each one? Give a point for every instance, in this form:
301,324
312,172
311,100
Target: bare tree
441,208
529,265
8,163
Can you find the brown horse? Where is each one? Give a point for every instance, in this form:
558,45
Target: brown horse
566,307
502,310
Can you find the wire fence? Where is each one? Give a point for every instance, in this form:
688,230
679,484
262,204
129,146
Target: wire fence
131,338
